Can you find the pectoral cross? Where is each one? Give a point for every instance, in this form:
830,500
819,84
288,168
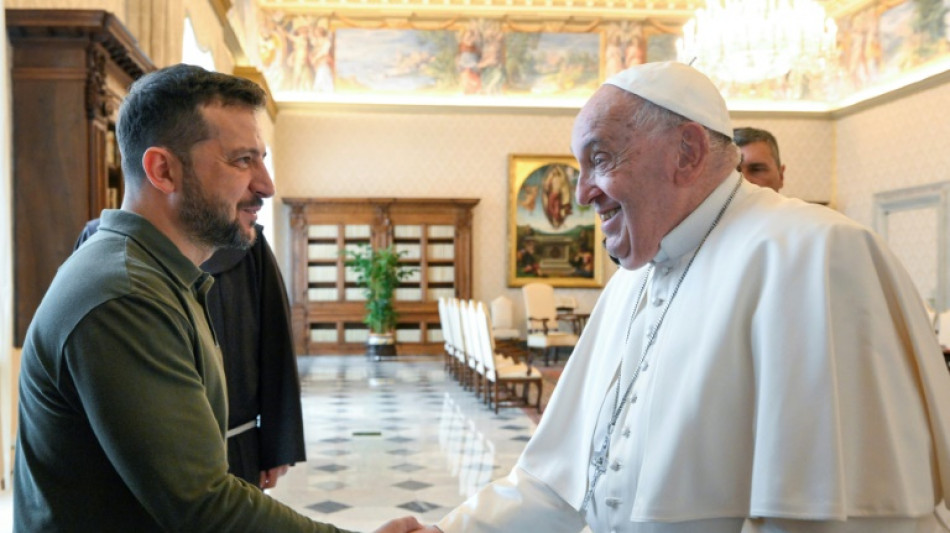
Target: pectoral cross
599,463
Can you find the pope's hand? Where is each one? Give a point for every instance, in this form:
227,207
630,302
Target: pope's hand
405,524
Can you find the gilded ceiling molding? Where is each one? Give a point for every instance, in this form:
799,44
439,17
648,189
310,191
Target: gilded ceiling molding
673,11
373,24
410,21
433,26
413,21
548,16
555,26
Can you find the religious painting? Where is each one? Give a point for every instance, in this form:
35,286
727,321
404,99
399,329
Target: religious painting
551,237
480,58
317,56
624,46
859,45
552,64
662,47
395,61
295,53
899,41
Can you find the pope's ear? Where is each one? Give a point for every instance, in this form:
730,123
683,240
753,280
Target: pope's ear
162,169
693,150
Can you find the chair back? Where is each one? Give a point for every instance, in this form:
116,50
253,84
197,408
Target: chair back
483,327
470,334
501,313
539,305
458,335
565,303
444,324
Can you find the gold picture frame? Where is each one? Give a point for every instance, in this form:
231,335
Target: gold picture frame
551,238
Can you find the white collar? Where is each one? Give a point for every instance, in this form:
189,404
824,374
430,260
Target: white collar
687,235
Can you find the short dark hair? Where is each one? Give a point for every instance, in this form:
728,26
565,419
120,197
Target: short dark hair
744,136
163,108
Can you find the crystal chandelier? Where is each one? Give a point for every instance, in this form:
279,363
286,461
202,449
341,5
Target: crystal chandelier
750,41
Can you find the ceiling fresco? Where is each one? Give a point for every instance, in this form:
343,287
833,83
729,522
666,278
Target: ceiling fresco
554,52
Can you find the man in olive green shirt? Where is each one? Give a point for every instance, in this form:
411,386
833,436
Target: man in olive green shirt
123,407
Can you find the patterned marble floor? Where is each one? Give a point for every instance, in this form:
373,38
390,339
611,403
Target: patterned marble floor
391,438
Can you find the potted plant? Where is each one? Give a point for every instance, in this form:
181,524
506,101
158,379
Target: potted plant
379,273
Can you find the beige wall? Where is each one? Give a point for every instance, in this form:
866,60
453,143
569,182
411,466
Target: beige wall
463,152
423,153
807,149
897,144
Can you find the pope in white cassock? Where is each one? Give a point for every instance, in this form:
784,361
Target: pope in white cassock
759,364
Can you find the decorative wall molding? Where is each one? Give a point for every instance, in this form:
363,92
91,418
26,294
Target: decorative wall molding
921,199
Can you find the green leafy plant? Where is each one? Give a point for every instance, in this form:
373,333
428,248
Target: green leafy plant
379,273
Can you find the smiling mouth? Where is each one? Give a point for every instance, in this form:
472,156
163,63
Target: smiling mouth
607,215
252,207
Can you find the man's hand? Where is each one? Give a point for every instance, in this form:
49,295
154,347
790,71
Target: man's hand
406,524
269,477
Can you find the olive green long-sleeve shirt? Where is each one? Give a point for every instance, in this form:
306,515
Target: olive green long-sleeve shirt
123,407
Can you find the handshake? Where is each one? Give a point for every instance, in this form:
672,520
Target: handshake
407,524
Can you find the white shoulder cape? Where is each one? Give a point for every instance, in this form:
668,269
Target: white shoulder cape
800,374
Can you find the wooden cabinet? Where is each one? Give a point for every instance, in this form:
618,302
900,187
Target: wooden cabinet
328,306
70,70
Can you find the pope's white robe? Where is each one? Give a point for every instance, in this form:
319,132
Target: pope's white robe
796,376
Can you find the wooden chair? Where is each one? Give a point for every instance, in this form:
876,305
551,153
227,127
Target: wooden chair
502,317
507,337
502,376
450,344
463,372
543,332
473,368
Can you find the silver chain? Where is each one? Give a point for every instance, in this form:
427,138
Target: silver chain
599,460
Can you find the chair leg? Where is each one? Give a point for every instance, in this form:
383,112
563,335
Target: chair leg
537,404
497,398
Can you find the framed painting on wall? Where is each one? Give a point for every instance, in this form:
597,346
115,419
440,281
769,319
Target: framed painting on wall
551,238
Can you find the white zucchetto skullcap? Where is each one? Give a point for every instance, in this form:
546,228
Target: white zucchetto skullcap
679,88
